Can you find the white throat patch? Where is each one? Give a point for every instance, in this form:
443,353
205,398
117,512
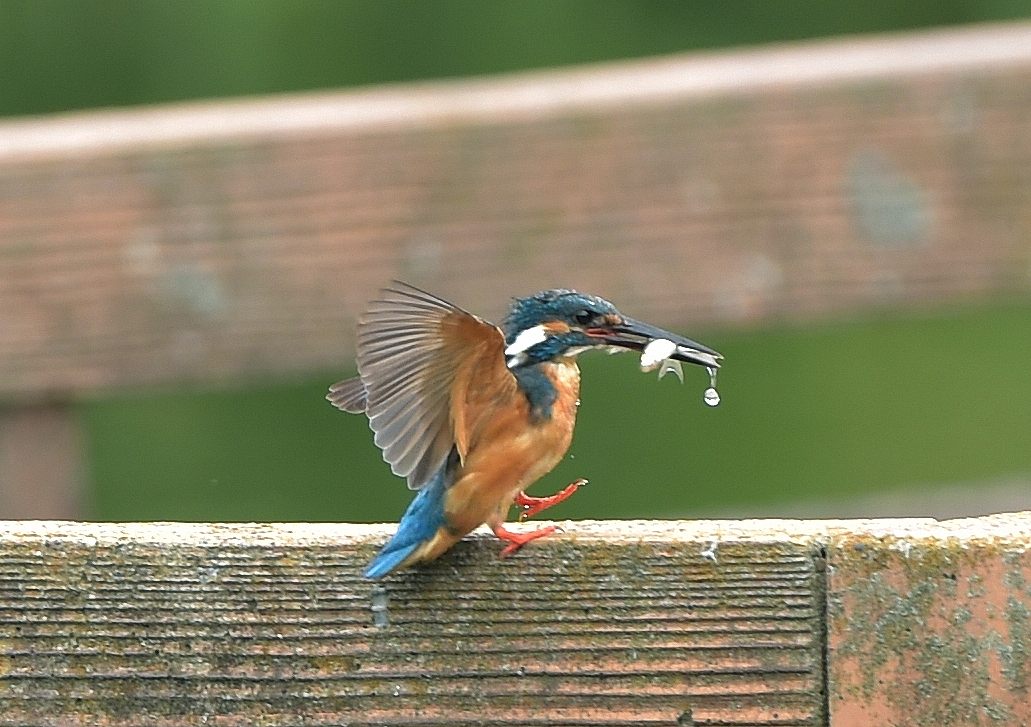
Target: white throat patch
516,351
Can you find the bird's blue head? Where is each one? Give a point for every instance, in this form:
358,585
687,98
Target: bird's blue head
564,323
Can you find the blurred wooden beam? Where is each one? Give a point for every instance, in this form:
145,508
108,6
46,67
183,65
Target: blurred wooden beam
658,623
40,463
211,241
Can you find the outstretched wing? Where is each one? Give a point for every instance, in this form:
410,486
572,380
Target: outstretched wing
411,347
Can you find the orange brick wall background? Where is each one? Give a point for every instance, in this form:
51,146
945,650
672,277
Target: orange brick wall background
183,255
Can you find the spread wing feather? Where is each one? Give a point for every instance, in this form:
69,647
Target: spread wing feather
410,346
348,395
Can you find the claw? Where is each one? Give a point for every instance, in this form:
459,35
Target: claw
518,540
533,505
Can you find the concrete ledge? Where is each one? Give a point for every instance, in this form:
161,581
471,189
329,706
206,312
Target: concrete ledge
674,623
930,623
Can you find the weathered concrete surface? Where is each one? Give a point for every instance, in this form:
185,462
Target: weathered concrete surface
720,623
930,623
658,623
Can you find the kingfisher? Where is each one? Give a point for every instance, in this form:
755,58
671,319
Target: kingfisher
471,414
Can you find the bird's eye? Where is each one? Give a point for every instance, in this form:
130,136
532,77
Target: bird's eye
583,317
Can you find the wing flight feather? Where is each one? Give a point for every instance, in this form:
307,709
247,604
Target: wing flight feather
348,395
411,344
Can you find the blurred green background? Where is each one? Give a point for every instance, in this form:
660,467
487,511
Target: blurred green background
65,54
819,412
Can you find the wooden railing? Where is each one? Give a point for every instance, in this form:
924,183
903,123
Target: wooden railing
885,622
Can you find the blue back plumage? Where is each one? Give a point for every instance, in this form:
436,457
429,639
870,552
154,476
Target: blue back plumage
420,522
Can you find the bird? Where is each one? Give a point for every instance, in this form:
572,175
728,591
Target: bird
471,414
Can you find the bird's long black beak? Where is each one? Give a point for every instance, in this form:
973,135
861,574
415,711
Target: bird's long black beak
635,335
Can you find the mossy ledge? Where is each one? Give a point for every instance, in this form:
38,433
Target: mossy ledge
668,622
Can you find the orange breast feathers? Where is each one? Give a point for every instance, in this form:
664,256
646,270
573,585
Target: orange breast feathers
503,450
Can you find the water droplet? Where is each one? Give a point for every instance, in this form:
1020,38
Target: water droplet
711,396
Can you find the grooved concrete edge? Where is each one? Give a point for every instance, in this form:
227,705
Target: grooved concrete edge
926,622
795,531
1009,530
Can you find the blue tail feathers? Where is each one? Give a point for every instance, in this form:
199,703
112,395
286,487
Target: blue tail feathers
420,522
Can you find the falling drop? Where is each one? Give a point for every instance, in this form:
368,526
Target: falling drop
711,396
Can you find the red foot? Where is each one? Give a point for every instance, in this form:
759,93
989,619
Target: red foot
533,505
518,540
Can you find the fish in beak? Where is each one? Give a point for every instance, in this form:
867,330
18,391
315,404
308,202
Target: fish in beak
637,336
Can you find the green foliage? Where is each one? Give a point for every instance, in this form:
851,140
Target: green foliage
61,55
816,411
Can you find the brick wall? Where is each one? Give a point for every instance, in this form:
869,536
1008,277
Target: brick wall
215,240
